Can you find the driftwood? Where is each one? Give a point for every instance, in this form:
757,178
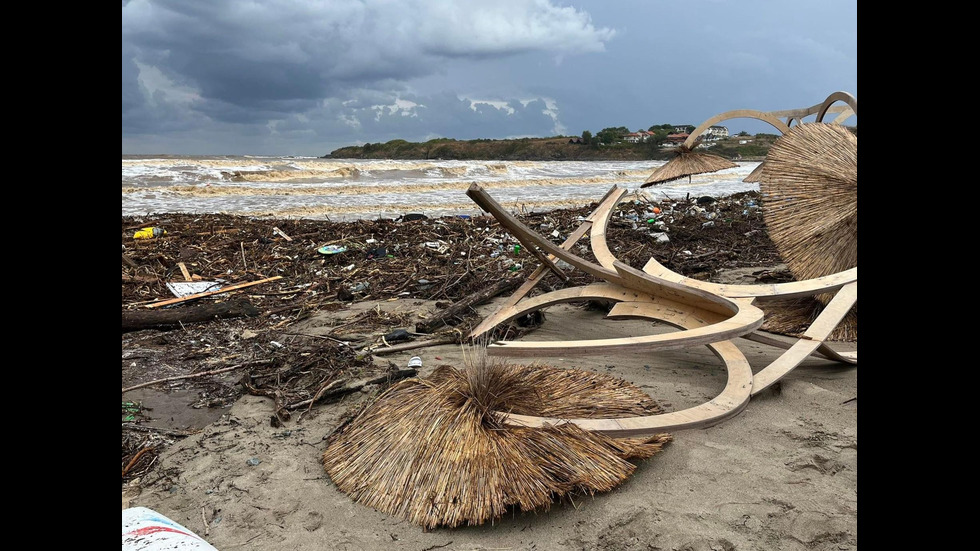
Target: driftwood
448,339
134,320
347,386
194,375
211,293
463,306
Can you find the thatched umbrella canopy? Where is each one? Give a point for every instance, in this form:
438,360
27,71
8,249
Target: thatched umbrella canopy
808,184
432,451
809,192
686,163
754,175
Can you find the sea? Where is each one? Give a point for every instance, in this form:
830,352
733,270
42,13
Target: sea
352,189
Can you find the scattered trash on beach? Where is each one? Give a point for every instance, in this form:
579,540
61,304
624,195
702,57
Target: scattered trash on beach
149,233
331,249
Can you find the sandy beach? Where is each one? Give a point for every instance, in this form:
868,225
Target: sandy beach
780,475
226,464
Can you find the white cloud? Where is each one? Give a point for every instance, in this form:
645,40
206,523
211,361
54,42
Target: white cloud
159,88
475,105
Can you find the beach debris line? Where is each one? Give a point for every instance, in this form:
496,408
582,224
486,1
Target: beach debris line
210,247
219,291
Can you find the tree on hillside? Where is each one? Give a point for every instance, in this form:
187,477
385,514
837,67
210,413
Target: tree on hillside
612,134
586,137
659,136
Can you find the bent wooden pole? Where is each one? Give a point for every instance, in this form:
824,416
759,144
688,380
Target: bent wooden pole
732,399
622,274
606,204
700,327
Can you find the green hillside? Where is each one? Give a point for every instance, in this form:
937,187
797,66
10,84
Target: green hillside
557,148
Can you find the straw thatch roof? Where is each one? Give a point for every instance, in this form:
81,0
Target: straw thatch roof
687,163
808,184
432,451
754,175
809,194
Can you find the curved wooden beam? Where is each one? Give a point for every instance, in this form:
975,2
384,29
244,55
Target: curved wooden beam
736,114
813,338
732,399
850,100
606,204
791,289
622,275
597,239
822,350
701,326
846,114
799,114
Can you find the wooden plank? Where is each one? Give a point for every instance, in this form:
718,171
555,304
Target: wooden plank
282,233
813,338
823,350
183,270
791,289
210,293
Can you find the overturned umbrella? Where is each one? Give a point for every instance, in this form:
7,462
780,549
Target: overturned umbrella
687,163
809,191
434,452
808,184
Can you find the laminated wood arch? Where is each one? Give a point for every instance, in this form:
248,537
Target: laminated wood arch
736,114
706,313
699,327
850,100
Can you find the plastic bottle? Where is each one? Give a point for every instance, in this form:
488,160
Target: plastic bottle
149,233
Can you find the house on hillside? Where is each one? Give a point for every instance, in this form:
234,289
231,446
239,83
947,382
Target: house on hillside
640,136
576,140
715,133
677,138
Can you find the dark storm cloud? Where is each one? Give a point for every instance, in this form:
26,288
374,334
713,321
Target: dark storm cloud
286,77
248,61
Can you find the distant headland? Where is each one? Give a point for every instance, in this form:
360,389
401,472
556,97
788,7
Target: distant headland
555,148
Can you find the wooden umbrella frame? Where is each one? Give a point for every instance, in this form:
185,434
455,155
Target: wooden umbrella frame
706,313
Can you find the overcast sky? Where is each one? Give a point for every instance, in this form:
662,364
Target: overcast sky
292,77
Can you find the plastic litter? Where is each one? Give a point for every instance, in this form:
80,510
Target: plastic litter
149,233
147,530
331,249
415,362
398,335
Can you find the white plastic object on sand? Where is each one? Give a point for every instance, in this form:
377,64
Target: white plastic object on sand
147,530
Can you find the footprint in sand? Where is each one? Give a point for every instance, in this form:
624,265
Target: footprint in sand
313,521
